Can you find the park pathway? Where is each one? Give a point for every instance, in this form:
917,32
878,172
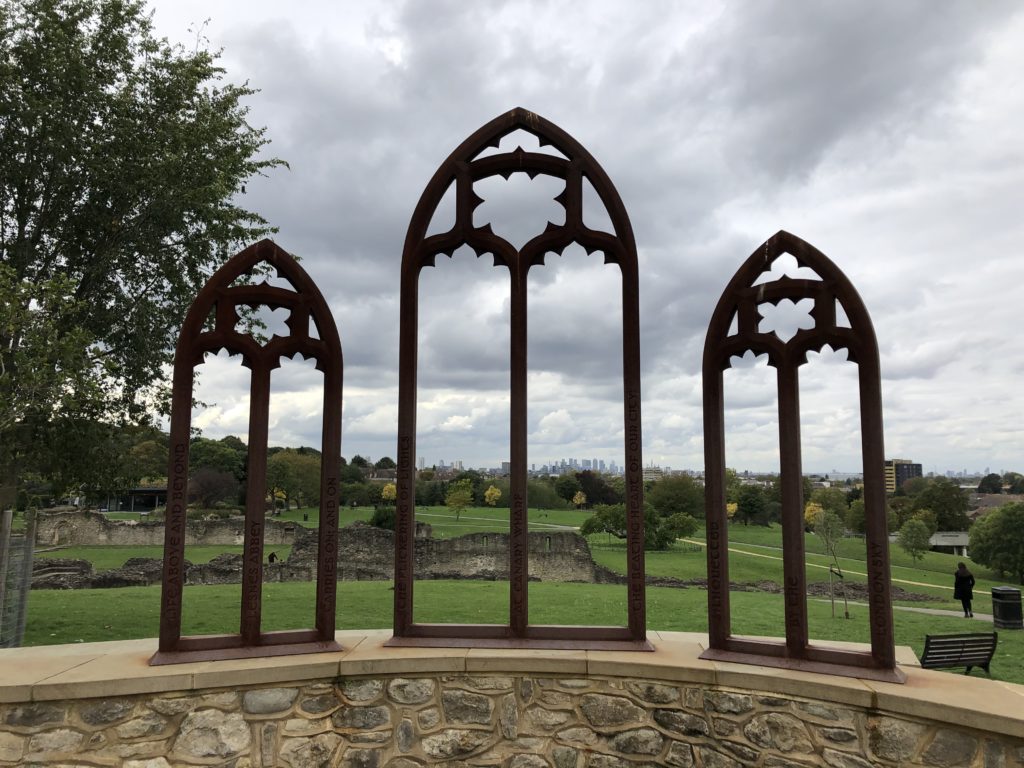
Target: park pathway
811,565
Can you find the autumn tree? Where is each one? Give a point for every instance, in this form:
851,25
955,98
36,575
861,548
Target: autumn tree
579,500
389,493
492,495
122,158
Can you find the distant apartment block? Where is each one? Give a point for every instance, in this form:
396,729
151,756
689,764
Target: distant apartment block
898,471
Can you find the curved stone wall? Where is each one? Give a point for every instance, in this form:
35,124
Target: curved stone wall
376,707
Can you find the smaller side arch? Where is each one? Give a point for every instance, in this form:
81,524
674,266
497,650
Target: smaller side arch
222,299
739,302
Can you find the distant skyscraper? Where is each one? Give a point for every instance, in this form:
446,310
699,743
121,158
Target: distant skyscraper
421,463
586,464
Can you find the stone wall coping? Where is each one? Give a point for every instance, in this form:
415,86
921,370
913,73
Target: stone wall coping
120,668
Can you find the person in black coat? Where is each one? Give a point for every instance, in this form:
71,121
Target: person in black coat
963,583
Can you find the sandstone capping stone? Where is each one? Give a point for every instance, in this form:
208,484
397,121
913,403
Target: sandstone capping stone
411,691
681,722
361,718
607,711
641,741
653,693
728,703
463,707
267,701
950,748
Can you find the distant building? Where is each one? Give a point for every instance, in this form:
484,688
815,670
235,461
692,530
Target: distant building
898,471
653,473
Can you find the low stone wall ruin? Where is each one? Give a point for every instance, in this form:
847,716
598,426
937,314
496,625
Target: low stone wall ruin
83,528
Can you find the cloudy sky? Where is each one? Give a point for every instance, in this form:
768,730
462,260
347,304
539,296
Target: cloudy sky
888,135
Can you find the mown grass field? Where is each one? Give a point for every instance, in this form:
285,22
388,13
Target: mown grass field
86,616
58,617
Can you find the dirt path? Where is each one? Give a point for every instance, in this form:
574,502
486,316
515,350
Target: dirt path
814,565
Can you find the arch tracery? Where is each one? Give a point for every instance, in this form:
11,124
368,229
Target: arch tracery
462,169
739,308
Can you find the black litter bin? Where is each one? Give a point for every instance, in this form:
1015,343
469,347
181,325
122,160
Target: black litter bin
1006,611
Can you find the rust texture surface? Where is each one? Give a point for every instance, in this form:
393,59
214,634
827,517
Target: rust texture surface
735,329
211,325
461,170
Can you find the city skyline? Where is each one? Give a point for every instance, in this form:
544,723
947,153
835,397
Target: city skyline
886,136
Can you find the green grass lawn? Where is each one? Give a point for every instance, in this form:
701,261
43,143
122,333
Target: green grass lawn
84,616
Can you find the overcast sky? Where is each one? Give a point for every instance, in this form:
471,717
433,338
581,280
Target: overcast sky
888,135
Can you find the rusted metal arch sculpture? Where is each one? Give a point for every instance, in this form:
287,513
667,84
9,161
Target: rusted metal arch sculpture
306,305
462,168
740,302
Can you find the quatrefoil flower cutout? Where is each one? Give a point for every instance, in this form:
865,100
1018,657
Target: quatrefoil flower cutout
786,318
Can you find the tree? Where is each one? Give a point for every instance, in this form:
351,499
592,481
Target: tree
579,500
389,493
991,483
914,538
385,463
121,158
997,540
677,494
567,486
359,461
681,525
832,500
855,516
596,489
750,505
459,496
829,527
294,475
659,532
947,501
1014,482
492,495
209,486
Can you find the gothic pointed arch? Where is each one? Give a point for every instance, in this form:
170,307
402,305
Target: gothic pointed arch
211,325
465,166
735,329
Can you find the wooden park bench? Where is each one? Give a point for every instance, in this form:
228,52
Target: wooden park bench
971,649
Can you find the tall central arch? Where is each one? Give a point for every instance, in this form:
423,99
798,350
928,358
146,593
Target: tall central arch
462,169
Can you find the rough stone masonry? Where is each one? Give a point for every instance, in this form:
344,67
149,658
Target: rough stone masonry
481,720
